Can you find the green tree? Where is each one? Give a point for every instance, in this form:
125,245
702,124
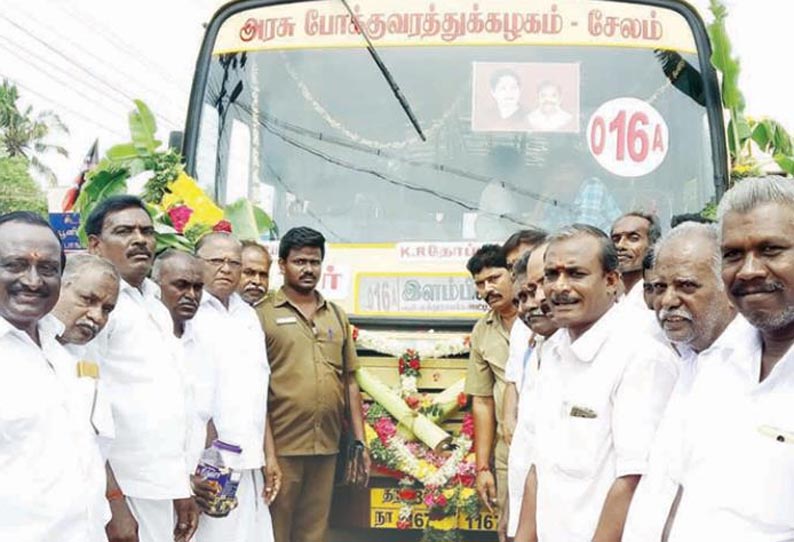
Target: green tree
18,190
26,134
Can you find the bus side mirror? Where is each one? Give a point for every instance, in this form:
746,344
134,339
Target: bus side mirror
175,140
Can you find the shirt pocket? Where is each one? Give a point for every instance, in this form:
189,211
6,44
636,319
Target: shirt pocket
767,476
330,342
583,432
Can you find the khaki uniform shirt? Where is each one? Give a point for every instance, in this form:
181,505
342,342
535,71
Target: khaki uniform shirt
306,397
485,376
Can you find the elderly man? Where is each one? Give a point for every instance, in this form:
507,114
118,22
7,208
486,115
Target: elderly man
310,347
255,276
240,382
89,290
139,364
633,235
485,378
534,310
180,278
598,398
43,465
514,248
735,466
694,311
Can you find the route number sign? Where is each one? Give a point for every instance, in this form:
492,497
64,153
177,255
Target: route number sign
628,137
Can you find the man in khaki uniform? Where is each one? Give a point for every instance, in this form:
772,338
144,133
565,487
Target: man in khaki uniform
485,378
307,340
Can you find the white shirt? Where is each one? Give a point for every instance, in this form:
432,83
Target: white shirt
95,414
520,457
197,360
43,468
597,403
140,367
736,462
242,374
656,491
519,341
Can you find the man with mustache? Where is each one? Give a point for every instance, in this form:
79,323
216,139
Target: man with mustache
139,362
44,436
89,290
735,462
598,397
534,310
255,276
634,234
180,278
485,377
239,383
696,316
514,248
549,116
309,345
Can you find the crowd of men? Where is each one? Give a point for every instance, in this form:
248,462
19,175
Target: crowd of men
637,386
625,386
121,368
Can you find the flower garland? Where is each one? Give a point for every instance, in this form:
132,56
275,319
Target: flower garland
447,477
440,348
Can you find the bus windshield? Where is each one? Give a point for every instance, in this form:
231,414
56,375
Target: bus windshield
534,114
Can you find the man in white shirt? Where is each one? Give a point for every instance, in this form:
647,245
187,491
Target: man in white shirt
634,234
534,310
180,277
255,276
242,374
549,116
89,291
694,311
43,495
139,364
736,463
514,248
598,398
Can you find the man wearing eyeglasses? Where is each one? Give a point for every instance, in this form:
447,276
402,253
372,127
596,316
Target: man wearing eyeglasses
239,407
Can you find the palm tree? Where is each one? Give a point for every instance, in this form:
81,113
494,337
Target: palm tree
25,134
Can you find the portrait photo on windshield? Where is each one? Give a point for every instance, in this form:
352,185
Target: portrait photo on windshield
525,97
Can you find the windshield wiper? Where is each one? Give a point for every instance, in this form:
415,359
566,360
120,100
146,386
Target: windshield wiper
386,74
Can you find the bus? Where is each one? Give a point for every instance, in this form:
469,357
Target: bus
410,132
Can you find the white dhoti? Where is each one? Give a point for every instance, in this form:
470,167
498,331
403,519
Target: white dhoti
249,522
519,461
155,518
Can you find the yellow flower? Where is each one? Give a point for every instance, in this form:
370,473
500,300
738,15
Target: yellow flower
369,433
466,493
183,190
445,524
204,212
423,469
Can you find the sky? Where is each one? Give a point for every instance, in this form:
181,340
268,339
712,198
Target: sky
87,59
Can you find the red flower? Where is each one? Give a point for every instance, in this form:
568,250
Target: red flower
463,400
414,363
467,428
179,216
441,500
223,225
412,402
385,429
407,494
403,524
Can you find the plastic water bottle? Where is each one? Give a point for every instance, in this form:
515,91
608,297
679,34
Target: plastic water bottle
219,465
